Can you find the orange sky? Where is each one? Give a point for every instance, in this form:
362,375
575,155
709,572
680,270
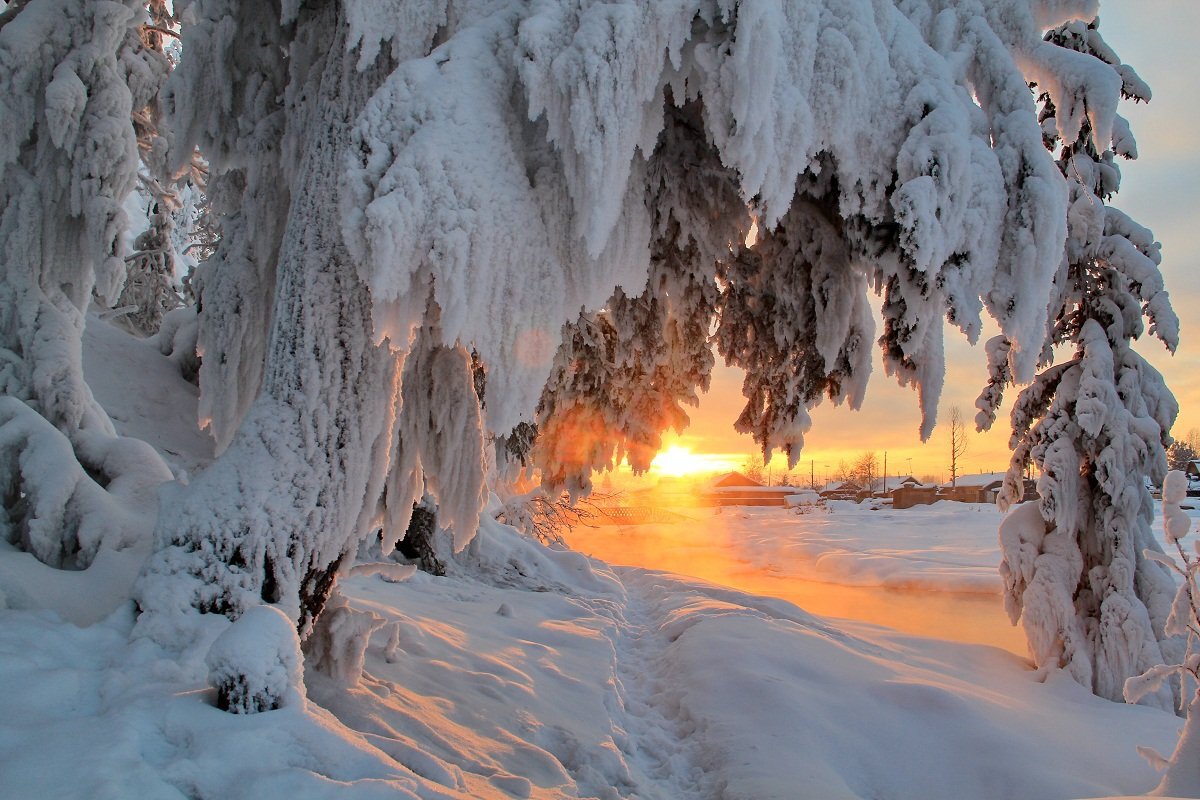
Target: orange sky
1159,191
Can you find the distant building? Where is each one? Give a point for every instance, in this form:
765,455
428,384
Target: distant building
981,488
915,494
1192,470
890,483
736,489
884,486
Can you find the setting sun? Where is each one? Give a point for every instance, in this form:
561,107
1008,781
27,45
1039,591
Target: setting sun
676,462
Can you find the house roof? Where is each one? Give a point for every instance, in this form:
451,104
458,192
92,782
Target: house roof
733,479
840,486
978,480
754,489
892,482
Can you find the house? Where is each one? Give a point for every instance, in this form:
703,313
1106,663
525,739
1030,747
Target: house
736,489
914,494
883,486
980,488
1192,470
730,479
887,484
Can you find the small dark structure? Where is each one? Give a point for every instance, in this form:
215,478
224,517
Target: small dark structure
911,495
1192,471
842,490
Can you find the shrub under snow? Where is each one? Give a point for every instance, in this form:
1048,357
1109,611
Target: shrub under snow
255,665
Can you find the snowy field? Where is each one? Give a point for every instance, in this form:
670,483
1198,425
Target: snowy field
536,673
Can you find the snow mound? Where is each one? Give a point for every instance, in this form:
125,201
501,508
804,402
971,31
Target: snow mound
256,664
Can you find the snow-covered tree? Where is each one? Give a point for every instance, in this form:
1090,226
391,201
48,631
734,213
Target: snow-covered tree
150,283
1096,422
1179,454
72,73
306,464
401,184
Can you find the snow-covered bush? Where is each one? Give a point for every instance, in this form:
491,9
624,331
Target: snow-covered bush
176,339
255,664
63,502
1182,769
338,644
546,518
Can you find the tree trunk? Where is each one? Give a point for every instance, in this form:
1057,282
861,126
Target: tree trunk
417,544
273,518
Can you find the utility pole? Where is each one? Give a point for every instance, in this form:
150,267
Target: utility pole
885,471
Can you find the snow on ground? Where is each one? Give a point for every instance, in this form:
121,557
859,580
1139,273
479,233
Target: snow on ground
933,572
145,395
949,547
545,674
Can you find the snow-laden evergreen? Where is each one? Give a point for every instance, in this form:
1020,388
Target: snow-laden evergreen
1096,423
276,516
226,98
949,205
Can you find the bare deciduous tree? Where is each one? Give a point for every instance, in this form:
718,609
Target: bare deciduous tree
958,442
866,470
752,468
